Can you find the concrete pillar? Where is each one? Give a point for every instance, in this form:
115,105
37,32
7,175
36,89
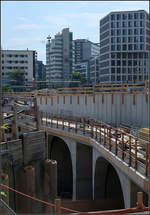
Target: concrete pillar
126,188
27,186
50,182
4,193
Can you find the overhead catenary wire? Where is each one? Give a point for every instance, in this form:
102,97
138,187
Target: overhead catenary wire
118,211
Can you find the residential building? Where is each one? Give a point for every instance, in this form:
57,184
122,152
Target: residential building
59,57
85,49
15,59
124,47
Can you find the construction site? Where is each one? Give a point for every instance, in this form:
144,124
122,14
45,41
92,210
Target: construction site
75,151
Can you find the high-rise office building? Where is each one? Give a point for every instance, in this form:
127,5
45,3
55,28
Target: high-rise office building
124,47
59,57
85,49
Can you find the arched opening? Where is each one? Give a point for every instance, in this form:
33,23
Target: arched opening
107,185
59,151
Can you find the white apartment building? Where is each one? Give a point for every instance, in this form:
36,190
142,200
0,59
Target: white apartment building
23,59
59,57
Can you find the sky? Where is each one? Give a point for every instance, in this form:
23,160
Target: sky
26,24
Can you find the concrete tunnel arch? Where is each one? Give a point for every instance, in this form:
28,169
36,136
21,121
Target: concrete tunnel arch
107,183
59,151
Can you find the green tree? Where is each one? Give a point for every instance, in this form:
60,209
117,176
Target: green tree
17,77
76,76
6,88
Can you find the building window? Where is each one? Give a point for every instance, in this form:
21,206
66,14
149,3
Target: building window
118,16
113,47
113,78
136,39
124,24
145,55
142,15
118,32
124,47
118,55
118,39
124,39
141,24
130,16
113,17
129,70
129,63
124,31
130,31
136,32
112,25
130,39
130,47
118,47
124,63
118,70
118,24
142,47
118,62
112,55
135,62
135,55
142,31
129,77
136,15
123,70
113,39
112,32
130,24
118,78
124,55
124,78
113,62
124,16
136,24
141,39
112,70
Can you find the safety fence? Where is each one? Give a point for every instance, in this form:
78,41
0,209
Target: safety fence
58,208
133,88
133,151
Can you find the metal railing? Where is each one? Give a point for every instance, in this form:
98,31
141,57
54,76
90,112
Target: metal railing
133,151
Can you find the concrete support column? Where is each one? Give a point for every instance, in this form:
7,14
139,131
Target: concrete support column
126,188
50,182
4,193
26,185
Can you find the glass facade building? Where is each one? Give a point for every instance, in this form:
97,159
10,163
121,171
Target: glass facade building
124,47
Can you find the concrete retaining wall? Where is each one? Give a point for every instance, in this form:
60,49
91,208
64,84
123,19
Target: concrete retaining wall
116,113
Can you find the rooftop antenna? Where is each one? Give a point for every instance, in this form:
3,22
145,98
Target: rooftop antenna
49,38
